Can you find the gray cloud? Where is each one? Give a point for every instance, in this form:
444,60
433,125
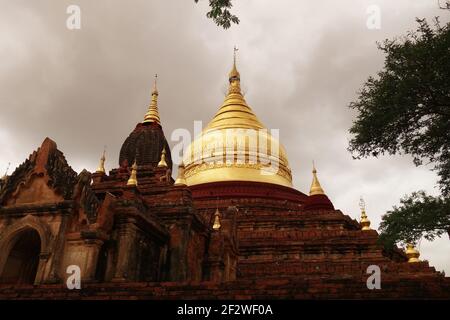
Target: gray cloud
301,63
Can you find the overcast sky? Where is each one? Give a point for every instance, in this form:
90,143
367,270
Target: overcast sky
301,63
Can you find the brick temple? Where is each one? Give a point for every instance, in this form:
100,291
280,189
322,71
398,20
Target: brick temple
221,230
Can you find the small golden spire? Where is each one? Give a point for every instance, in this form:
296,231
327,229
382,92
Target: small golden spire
316,188
152,114
5,176
4,179
133,177
217,225
234,77
365,222
181,180
162,163
412,254
101,166
234,73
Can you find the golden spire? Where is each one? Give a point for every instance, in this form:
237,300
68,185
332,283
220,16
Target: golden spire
133,177
181,180
163,162
152,114
365,222
315,185
101,166
234,112
234,77
217,225
412,254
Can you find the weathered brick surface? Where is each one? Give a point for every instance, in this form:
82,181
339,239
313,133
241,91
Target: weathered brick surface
330,287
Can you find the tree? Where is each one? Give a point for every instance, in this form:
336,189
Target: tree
222,17
405,109
444,4
419,215
220,13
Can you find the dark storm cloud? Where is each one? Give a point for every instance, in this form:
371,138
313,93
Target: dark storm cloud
301,63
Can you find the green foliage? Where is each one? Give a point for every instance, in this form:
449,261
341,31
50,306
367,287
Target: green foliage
444,4
406,108
221,14
419,215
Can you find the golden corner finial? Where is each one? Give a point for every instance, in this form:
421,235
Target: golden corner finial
152,114
162,163
217,225
133,177
5,176
181,180
316,188
412,253
101,166
365,222
4,179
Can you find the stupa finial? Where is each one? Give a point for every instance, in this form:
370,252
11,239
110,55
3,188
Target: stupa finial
162,163
316,188
234,76
152,114
181,180
412,253
5,176
101,166
365,222
217,225
132,181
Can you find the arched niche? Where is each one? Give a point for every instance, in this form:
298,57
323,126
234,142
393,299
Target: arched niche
25,250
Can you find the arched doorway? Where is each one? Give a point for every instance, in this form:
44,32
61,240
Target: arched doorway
23,259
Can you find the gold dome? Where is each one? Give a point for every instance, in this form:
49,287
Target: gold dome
236,146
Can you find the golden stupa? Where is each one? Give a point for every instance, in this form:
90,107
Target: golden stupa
236,146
